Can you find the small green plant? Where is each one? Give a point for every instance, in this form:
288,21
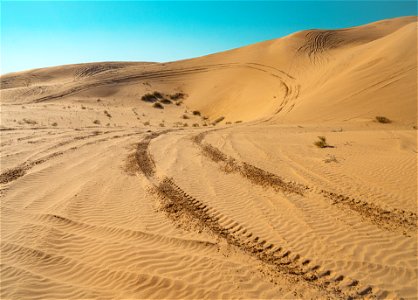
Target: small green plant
383,120
158,105
322,143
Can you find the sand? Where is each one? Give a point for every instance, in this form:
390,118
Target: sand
221,193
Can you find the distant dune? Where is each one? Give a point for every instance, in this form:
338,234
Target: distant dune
286,169
313,75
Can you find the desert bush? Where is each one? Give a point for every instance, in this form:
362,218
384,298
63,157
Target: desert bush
322,143
196,113
147,123
166,101
185,117
152,97
158,105
107,114
382,119
177,96
220,119
239,121
228,123
178,103
330,159
30,122
185,124
162,124
149,98
96,122
83,107
158,95
54,124
195,125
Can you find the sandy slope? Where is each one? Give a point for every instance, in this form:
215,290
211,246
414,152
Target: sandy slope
104,195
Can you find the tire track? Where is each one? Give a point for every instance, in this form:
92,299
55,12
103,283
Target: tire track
12,174
283,77
177,204
319,41
143,159
180,206
387,219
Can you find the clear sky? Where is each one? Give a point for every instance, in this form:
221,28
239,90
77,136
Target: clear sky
39,34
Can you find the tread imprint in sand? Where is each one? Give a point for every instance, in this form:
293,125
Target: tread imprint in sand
387,219
177,204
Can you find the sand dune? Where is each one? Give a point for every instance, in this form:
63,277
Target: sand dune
217,191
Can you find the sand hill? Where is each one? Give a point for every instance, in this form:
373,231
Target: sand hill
200,178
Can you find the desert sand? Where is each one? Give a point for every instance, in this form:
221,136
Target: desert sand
217,191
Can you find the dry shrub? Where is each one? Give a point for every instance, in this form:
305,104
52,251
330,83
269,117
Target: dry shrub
220,119
107,114
30,122
383,120
166,101
322,143
177,96
158,105
152,97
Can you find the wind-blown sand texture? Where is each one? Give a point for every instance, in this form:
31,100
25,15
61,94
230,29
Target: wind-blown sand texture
219,191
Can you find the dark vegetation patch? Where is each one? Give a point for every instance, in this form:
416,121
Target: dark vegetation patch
322,142
383,120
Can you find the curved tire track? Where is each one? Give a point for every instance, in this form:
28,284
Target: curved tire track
387,219
177,204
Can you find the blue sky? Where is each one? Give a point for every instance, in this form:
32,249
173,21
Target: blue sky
39,34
